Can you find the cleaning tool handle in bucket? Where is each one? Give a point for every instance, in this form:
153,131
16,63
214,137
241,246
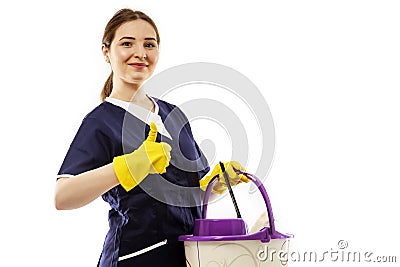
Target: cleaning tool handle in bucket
228,184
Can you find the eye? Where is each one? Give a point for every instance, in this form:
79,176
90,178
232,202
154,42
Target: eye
150,45
128,44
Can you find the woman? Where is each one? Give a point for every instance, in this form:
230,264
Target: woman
150,180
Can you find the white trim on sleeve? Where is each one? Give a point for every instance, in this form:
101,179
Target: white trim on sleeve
64,176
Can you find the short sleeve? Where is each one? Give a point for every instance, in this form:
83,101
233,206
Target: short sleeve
91,148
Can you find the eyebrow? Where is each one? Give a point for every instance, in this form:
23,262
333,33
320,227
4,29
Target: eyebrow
133,38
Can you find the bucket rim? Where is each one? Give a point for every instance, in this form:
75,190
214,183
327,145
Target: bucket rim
262,235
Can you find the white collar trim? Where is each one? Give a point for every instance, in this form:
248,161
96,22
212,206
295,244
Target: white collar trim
142,114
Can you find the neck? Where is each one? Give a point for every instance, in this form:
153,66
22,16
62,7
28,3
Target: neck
128,92
134,95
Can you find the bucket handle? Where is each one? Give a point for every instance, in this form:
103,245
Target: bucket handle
260,187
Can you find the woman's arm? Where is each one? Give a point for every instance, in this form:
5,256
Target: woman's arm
80,190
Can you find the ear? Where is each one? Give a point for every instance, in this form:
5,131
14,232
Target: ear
104,50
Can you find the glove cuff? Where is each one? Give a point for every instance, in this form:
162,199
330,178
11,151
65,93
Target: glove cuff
121,169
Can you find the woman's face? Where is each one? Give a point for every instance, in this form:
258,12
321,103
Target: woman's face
133,54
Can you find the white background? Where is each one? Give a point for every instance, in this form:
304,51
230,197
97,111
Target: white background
329,71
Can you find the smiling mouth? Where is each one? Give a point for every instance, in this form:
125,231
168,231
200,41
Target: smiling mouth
138,65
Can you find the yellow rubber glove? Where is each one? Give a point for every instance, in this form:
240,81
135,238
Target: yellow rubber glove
150,157
234,178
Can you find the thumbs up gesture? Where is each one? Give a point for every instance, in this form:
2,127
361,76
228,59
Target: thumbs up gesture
158,153
150,157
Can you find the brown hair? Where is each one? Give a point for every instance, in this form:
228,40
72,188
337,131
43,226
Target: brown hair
122,16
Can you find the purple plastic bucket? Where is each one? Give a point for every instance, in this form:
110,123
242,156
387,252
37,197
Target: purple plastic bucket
232,229
226,241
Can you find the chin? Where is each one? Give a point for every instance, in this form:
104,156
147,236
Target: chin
136,80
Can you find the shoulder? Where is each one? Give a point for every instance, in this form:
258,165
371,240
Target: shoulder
102,124
105,115
104,110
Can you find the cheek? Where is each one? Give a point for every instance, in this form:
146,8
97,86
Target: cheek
153,56
122,55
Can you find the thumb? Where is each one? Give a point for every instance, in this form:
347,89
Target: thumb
153,133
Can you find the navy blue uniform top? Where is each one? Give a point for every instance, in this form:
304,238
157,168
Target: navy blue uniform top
161,207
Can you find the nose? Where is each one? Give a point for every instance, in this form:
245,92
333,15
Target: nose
140,52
